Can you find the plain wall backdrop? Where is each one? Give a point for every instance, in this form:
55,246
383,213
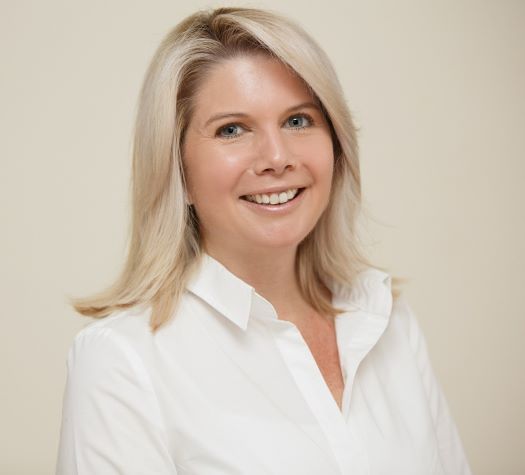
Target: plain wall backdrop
437,90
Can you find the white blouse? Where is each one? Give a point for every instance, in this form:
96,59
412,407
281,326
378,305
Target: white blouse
226,388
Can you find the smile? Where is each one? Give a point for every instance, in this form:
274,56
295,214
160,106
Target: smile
274,198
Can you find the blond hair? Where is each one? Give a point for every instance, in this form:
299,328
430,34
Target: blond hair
165,246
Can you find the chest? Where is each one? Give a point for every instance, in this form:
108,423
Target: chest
321,340
227,399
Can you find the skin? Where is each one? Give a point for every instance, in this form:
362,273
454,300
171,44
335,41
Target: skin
269,142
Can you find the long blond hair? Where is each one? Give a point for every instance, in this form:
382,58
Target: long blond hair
165,246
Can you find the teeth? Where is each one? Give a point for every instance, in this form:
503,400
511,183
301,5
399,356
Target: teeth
274,198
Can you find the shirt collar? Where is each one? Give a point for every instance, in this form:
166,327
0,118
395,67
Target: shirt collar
236,300
370,292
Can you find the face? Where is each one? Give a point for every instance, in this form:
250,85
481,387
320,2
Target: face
258,157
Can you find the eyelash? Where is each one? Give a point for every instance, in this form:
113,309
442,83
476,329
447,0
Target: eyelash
308,117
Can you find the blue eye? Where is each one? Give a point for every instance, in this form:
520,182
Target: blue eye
229,131
299,121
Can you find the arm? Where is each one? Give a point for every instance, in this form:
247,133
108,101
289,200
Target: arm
449,443
111,422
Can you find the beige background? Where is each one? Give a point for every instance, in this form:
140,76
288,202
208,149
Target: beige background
437,89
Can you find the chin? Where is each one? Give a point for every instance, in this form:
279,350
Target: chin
280,240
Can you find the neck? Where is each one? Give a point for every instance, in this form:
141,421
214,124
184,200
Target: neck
270,272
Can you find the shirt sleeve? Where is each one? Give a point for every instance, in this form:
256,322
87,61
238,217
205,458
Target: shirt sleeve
111,421
450,448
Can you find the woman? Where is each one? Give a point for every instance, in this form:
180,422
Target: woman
247,333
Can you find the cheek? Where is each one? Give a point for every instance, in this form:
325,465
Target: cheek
321,162
213,174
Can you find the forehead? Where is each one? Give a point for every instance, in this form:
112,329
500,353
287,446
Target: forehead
255,82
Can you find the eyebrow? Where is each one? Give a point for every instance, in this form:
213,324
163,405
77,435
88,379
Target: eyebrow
224,115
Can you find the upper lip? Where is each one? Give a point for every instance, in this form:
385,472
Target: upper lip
274,189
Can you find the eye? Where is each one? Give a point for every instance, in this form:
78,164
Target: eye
229,131
299,121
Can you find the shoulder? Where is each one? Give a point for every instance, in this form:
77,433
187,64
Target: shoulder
111,343
127,324
404,317
132,320
372,293
405,323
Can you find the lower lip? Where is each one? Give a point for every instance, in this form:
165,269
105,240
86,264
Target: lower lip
276,209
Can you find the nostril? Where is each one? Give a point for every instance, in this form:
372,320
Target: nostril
288,166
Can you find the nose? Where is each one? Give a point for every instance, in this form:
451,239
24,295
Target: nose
272,154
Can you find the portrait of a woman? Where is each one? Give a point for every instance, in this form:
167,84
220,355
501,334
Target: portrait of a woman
247,332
